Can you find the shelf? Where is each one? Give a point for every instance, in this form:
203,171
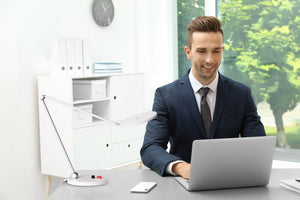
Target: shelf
104,75
94,123
76,102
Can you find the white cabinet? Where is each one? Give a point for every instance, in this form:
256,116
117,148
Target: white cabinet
92,147
95,145
129,149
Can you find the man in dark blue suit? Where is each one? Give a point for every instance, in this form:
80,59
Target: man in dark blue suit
181,119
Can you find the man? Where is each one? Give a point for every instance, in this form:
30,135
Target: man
226,111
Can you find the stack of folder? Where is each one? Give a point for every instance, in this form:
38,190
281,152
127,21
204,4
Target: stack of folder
71,57
107,68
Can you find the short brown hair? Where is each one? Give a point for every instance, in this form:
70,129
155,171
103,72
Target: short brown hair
203,24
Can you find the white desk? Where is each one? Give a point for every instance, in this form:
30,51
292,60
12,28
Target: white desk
121,181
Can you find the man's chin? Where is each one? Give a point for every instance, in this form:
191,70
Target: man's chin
208,76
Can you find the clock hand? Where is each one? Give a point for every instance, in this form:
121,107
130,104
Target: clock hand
103,6
105,9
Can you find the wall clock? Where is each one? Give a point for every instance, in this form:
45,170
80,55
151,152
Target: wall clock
103,12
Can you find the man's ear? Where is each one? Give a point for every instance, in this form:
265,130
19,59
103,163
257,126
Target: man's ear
188,52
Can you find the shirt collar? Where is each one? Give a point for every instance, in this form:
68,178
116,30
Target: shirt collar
196,85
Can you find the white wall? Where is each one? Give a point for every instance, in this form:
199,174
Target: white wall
28,31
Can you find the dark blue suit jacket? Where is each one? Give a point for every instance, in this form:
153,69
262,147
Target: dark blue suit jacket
179,121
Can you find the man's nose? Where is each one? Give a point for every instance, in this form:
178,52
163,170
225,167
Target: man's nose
209,58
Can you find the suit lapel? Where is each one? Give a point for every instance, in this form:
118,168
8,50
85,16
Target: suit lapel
222,92
189,98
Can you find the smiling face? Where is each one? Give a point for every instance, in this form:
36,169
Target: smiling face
205,55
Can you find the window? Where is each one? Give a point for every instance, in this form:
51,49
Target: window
262,50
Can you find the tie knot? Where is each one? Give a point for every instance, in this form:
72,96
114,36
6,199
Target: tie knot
203,91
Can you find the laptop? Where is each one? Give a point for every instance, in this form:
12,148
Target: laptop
230,163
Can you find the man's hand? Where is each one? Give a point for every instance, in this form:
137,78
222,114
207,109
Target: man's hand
182,169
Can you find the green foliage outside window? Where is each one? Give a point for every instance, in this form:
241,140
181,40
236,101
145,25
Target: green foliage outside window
263,51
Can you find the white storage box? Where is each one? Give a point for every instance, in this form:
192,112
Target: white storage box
89,89
83,118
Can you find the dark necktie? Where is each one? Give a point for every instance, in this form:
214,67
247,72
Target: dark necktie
205,111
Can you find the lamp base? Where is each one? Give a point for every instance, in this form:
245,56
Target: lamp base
87,180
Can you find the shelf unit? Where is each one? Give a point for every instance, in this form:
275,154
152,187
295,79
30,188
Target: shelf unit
96,145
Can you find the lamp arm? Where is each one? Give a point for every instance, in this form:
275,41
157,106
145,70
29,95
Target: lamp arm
74,174
78,109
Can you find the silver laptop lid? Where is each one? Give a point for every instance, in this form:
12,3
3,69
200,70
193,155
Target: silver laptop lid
231,162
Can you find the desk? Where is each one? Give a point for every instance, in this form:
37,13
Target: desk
121,181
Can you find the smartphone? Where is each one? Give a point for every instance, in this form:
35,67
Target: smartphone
143,187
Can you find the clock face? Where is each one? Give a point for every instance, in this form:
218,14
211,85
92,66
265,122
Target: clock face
103,12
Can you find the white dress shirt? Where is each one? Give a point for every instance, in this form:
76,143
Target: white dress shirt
210,98
211,95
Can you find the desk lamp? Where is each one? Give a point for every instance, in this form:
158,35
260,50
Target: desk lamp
93,180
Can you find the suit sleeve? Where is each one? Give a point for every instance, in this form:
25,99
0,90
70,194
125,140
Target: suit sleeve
153,152
252,125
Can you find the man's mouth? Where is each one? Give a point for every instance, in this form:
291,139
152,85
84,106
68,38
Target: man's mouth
208,67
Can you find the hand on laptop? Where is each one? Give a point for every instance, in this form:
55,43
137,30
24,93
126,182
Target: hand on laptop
182,169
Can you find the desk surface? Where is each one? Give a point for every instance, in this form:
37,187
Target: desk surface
121,181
